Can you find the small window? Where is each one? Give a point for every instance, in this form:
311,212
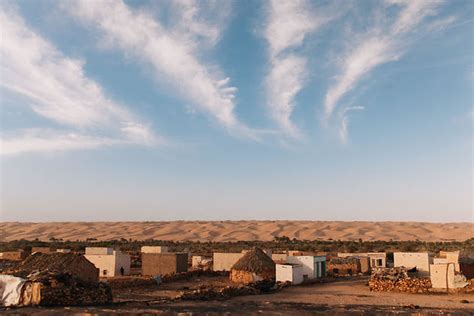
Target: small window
379,262
104,272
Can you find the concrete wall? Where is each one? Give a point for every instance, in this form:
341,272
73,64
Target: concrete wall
448,257
13,255
410,260
109,265
154,249
289,273
279,257
223,261
105,264
122,260
99,251
440,272
164,263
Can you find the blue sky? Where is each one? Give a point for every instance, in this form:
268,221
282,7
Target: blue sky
164,110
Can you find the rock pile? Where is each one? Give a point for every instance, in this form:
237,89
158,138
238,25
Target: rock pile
191,274
397,279
205,293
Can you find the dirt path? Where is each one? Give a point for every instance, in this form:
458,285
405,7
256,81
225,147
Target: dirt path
337,298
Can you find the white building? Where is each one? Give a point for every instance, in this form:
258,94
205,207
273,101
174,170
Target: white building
289,272
410,260
313,266
109,262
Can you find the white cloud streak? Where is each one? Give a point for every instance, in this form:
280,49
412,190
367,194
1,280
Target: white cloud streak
199,23
56,88
379,45
46,140
343,127
288,23
136,33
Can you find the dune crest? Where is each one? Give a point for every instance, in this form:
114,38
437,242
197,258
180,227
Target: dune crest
237,230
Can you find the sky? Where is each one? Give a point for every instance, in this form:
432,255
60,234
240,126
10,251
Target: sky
223,110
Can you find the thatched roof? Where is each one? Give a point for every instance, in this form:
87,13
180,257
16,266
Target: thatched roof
255,261
75,264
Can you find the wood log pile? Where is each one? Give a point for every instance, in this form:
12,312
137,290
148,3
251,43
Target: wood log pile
397,279
52,288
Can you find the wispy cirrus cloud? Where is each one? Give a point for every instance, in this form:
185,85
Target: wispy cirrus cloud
199,23
385,42
287,25
344,118
171,55
53,86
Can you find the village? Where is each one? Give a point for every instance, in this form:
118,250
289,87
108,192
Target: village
158,277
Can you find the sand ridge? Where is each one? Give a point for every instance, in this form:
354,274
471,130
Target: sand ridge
237,230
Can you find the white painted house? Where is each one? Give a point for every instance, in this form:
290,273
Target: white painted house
289,272
109,262
313,266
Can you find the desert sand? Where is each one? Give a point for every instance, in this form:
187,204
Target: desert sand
237,230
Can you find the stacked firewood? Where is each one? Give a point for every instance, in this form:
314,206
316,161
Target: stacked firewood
397,279
97,294
60,289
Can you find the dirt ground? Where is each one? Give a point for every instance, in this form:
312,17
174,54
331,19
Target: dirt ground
336,298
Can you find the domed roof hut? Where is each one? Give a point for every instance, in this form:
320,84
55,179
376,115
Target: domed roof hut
254,266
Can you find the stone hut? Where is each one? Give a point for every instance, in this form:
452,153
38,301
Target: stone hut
74,264
254,266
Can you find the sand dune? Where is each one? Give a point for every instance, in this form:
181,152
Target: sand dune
237,230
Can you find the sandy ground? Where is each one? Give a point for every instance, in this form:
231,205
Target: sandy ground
238,230
336,298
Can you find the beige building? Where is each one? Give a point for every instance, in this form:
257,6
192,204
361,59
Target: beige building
164,263
376,259
17,255
110,262
154,249
444,276
446,257
413,260
279,257
223,261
